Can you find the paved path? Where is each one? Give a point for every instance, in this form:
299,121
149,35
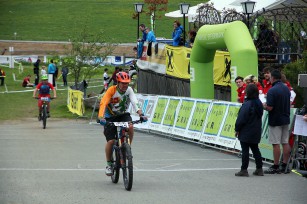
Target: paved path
65,164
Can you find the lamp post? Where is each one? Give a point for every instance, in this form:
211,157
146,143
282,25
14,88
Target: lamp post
184,9
248,8
138,7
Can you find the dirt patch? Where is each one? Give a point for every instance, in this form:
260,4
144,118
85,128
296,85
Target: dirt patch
51,48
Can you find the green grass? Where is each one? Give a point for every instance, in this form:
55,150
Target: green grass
18,102
55,20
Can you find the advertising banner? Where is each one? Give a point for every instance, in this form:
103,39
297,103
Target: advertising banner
146,103
183,117
227,135
213,124
169,117
199,114
177,61
75,102
159,111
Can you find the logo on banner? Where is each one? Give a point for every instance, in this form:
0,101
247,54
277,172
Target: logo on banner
227,70
170,54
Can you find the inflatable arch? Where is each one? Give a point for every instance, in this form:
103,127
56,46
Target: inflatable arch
244,59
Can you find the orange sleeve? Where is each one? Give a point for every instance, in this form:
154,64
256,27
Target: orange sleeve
105,100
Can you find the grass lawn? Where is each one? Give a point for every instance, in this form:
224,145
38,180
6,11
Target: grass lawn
57,20
16,102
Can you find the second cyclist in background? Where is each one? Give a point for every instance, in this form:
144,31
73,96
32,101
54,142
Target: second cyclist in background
114,103
43,89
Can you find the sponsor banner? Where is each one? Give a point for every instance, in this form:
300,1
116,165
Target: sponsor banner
158,114
199,115
177,61
155,62
221,68
214,122
170,114
146,103
227,133
183,118
75,102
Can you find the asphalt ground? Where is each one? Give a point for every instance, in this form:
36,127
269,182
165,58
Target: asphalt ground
65,164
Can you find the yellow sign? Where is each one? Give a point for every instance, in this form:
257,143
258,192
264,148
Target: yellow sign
178,61
75,102
221,68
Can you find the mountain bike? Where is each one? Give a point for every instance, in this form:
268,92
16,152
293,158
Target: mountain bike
44,113
121,153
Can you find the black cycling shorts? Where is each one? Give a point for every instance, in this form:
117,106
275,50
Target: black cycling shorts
111,131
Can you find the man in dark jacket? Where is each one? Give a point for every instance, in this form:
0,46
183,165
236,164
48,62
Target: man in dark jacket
36,71
248,129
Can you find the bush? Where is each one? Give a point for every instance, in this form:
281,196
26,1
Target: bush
292,71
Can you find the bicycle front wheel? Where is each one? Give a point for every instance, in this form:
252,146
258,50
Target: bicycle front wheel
115,166
44,116
127,167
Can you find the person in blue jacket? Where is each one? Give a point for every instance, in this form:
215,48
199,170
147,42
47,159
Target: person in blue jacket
178,29
248,129
150,35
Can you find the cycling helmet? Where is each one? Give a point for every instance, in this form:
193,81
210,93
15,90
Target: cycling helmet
122,77
44,77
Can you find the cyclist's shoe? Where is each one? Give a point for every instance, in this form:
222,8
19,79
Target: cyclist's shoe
272,170
109,170
48,115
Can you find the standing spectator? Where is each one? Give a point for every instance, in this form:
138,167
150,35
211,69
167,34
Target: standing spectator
2,76
192,36
36,71
26,82
113,78
105,78
178,29
266,81
278,105
248,129
150,39
51,70
64,71
141,41
250,79
241,87
43,71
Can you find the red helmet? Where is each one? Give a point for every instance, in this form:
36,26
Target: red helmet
123,77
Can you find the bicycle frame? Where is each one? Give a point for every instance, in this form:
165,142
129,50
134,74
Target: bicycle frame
121,155
43,113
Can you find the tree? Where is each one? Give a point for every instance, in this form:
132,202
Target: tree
155,6
85,53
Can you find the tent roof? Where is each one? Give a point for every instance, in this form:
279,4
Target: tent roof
236,4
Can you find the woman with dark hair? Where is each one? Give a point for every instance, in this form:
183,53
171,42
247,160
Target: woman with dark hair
248,129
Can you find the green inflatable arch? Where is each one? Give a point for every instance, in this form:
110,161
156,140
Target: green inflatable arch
244,59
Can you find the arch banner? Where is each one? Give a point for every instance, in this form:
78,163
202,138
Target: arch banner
244,58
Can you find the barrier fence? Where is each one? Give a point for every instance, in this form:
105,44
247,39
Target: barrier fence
205,121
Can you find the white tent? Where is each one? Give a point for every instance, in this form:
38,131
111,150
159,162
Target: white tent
236,4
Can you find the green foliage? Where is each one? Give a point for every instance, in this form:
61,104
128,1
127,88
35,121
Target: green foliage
291,71
82,54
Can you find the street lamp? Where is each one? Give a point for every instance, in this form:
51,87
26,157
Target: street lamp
184,9
248,8
138,8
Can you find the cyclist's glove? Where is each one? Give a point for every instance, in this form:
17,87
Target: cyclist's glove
103,122
143,118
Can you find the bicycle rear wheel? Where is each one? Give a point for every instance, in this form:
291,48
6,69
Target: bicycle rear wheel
116,166
127,167
44,116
